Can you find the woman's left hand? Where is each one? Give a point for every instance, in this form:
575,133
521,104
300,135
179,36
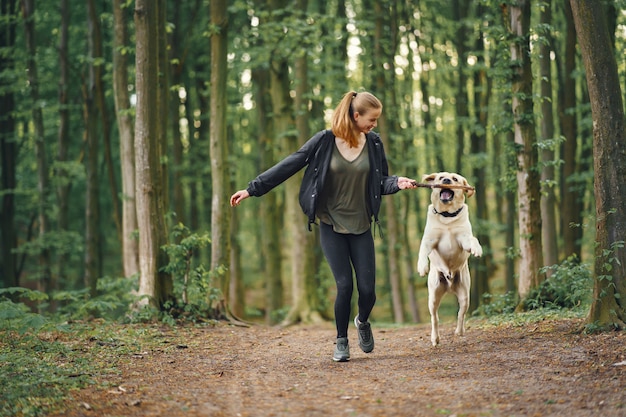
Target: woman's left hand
404,183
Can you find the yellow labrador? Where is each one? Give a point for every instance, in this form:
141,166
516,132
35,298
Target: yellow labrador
447,242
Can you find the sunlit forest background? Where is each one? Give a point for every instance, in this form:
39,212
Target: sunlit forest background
441,68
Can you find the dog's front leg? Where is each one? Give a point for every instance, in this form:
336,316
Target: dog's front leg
470,244
426,247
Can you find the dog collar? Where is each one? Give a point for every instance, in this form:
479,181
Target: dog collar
448,214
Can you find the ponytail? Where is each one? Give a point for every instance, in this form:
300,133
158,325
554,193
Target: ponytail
342,123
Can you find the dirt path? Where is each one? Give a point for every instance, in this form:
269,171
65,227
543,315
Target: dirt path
542,369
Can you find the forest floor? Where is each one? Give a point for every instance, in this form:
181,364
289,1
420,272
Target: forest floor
540,369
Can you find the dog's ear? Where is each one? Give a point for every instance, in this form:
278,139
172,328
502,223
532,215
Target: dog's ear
470,191
429,177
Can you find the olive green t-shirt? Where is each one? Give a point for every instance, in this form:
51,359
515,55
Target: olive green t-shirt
343,202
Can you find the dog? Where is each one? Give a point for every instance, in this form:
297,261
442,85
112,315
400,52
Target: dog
447,242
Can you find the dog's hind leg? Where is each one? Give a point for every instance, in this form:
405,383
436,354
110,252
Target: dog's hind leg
436,290
462,294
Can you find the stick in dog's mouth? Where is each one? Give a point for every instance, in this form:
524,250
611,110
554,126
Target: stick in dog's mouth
463,187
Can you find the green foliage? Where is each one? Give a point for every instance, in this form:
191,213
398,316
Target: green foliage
193,284
569,285
610,260
18,318
495,304
114,297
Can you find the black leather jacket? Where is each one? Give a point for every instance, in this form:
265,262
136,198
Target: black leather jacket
315,155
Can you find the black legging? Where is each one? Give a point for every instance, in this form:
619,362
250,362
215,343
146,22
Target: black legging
342,251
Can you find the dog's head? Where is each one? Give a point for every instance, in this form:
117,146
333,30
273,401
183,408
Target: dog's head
447,199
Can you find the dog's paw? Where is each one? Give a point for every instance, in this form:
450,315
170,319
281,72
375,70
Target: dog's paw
422,266
476,249
472,245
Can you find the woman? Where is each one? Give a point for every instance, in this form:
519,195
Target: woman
346,176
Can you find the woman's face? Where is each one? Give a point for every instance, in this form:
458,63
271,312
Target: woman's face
367,121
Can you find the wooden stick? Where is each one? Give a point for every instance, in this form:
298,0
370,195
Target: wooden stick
462,187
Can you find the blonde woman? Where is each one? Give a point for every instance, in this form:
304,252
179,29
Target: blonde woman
346,175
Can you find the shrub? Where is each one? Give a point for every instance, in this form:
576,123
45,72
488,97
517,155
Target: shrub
570,285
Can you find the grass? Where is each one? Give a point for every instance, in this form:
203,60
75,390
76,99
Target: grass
38,371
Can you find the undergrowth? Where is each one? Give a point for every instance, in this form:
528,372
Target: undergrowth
41,366
566,293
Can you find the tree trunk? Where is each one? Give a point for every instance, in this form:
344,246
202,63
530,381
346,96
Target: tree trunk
529,210
100,103
130,249
63,140
608,309
548,179
269,227
220,222
237,301
384,92
9,152
198,152
153,285
482,267
411,199
237,290
28,12
305,287
295,222
571,215
90,117
163,96
459,12
176,68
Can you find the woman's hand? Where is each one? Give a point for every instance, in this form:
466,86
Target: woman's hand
238,197
404,183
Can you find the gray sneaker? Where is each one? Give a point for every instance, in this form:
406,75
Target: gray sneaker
366,338
342,350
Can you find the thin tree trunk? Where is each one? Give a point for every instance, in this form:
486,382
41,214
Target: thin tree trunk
412,199
90,117
529,210
509,212
270,215
220,222
100,101
130,247
548,179
63,139
28,11
305,285
392,227
9,152
608,309
163,96
295,223
198,152
571,213
459,12
176,71
482,91
237,301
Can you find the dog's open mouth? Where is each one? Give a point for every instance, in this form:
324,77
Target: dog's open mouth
446,195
